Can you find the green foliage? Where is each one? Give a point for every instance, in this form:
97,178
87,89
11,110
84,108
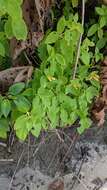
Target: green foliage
53,98
14,25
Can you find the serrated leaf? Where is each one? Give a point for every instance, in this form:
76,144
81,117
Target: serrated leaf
5,107
52,38
22,104
92,30
15,89
61,25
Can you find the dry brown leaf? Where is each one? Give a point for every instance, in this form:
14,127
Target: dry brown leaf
35,13
56,185
100,117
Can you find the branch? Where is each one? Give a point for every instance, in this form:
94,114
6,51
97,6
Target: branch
80,40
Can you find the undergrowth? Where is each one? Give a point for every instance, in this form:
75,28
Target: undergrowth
64,87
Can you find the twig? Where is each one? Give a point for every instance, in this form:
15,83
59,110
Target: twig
69,149
6,160
27,58
80,40
10,185
3,144
28,152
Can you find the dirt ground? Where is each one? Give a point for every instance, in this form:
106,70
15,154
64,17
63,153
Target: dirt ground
80,163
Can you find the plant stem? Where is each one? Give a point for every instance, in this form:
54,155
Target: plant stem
80,40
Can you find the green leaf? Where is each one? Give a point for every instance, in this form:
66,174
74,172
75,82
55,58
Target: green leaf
61,25
92,30
20,127
52,38
100,11
4,128
103,21
60,59
8,28
82,102
29,125
100,33
2,50
20,122
15,114
91,92
37,129
15,89
85,123
74,3
85,57
73,117
101,43
19,29
28,92
22,104
14,10
64,116
5,107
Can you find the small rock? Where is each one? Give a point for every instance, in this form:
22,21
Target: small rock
104,187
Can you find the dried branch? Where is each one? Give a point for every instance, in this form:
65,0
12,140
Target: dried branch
80,40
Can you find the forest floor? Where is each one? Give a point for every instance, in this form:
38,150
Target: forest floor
37,164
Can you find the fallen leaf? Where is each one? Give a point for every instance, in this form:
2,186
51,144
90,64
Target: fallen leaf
56,185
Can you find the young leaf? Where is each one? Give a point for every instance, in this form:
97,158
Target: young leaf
5,107
16,88
52,38
92,30
61,25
